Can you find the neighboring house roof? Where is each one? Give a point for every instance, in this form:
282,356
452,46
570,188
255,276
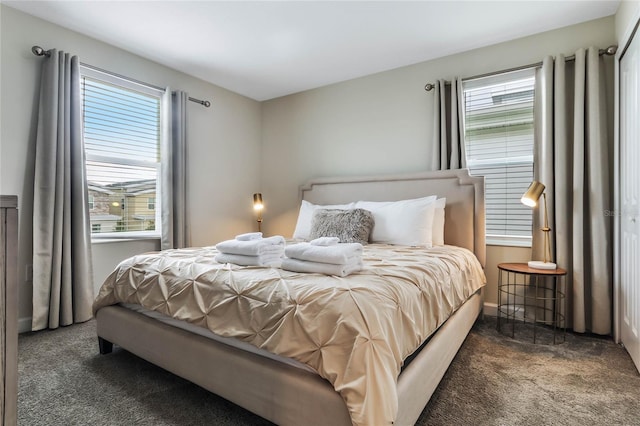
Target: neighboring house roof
130,188
135,187
105,217
144,216
99,188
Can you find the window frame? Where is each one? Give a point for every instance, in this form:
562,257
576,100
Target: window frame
124,83
498,239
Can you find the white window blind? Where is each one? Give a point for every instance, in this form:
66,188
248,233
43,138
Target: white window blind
121,131
499,146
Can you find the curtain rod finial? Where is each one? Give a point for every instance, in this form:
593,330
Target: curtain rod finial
429,86
39,51
611,50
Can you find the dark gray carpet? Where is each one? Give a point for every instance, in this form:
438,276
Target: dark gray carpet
494,380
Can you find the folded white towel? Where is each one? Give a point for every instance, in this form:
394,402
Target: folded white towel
249,236
239,259
338,254
251,247
321,268
325,241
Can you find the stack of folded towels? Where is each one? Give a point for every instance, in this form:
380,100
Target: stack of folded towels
251,250
324,255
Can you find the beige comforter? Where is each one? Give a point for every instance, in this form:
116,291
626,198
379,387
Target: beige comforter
354,331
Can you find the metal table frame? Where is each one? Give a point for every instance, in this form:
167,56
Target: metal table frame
516,282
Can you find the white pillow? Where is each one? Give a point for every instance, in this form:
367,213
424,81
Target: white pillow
303,226
437,235
406,222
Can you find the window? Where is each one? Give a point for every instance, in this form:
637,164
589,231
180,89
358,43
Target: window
499,146
121,130
91,202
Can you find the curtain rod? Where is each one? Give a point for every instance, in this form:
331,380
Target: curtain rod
39,51
611,50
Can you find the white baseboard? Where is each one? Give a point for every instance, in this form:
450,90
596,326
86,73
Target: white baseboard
490,309
24,324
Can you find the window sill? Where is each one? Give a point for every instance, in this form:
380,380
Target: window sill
119,237
503,241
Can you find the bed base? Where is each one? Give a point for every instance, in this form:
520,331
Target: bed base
281,393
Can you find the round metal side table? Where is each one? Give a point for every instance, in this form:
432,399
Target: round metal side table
532,296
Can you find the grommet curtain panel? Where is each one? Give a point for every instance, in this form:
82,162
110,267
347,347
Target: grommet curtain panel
62,269
448,126
572,158
173,170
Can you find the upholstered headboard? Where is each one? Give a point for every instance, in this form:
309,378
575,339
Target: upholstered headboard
464,213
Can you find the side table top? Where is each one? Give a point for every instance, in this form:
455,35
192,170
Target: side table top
523,268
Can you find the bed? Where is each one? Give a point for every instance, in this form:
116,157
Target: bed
278,387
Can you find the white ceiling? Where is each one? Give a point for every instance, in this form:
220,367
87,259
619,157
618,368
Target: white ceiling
267,49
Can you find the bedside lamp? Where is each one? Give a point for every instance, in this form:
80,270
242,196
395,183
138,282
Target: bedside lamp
530,198
258,206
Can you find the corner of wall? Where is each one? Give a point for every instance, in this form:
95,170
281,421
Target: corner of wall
625,19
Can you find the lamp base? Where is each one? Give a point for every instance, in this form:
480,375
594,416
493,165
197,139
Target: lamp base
539,264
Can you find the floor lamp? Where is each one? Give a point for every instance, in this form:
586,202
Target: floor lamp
530,198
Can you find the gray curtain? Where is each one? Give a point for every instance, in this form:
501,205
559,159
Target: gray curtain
62,269
572,152
448,126
173,180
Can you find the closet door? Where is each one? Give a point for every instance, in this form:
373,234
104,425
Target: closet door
629,306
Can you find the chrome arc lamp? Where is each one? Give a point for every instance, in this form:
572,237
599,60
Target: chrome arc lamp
258,206
530,198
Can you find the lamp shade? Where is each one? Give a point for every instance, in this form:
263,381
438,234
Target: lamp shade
535,190
257,201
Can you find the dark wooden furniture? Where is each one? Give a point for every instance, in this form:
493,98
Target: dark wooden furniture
8,309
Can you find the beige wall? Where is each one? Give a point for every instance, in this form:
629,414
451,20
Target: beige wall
223,139
381,124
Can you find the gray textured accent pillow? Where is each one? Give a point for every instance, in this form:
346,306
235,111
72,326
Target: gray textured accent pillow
351,226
